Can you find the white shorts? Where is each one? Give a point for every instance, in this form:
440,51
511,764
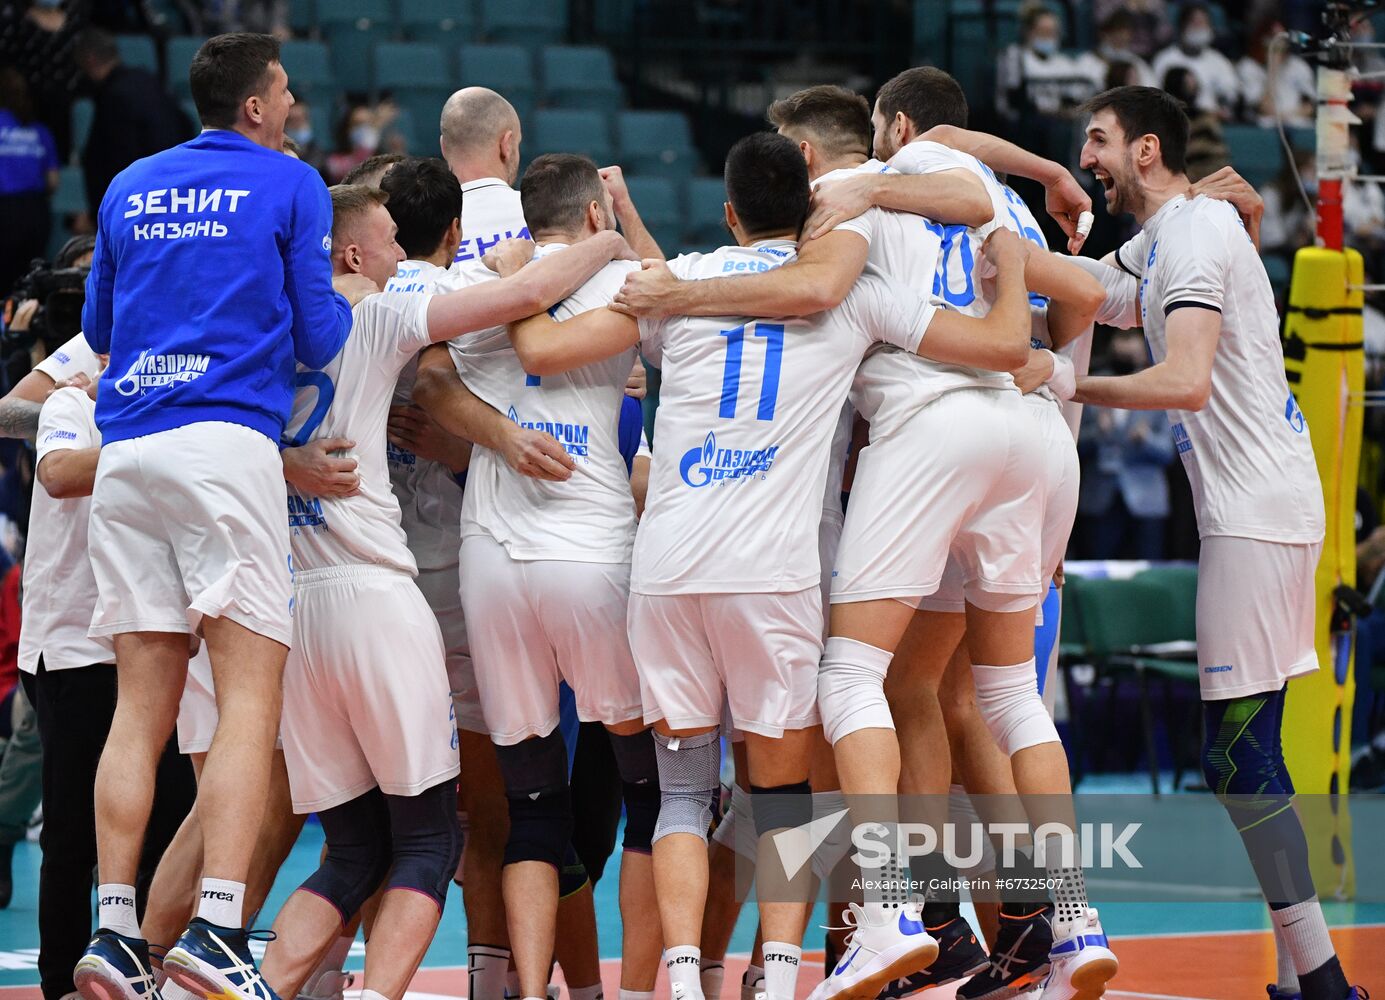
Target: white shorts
189,523
1059,498
829,539
365,693
1255,615
964,476
536,624
757,652
197,714
441,589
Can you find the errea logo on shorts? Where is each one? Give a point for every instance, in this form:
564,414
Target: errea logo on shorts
153,371
711,464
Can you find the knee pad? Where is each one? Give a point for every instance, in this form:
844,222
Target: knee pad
572,876
535,773
737,828
426,840
358,853
1010,705
689,775
851,688
781,807
639,788
1241,755
837,844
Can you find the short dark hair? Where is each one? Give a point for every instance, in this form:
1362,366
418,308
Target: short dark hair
767,184
226,70
94,43
350,202
365,172
927,95
1148,111
1186,12
424,199
838,118
556,190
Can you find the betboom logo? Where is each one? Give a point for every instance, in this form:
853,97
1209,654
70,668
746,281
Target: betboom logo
151,371
710,464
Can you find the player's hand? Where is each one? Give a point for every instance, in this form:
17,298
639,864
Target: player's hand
411,428
312,469
508,256
1005,249
837,202
81,380
1036,371
637,385
537,455
614,179
354,287
1066,201
1227,185
651,291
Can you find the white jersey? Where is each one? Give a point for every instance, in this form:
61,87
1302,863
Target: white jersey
747,413
892,385
491,212
430,501
591,516
59,591
350,398
1247,452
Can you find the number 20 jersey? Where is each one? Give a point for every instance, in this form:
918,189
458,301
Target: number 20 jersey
747,410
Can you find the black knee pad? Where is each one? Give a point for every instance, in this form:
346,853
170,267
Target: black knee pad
572,876
535,773
781,806
425,840
639,781
358,853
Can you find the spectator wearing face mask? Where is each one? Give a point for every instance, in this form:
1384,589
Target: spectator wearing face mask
1287,87
358,139
1115,47
1219,88
1036,75
299,128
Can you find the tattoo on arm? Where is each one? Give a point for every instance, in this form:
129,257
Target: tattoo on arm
19,418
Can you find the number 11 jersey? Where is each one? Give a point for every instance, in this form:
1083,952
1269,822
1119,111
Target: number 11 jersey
747,411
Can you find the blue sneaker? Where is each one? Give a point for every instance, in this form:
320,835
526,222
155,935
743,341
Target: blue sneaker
960,956
115,967
1277,994
215,963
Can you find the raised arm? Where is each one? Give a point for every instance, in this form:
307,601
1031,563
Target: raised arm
457,409
819,279
1064,197
1182,381
533,288
548,347
953,197
628,216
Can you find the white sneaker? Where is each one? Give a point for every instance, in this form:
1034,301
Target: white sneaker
877,953
1082,963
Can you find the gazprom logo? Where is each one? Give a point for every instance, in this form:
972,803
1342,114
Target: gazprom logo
514,417
700,466
1294,415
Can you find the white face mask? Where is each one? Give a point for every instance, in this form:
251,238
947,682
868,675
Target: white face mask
365,137
1044,46
1197,39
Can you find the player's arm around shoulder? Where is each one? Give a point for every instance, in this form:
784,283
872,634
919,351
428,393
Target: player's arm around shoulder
547,346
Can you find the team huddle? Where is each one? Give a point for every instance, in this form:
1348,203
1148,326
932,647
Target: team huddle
437,376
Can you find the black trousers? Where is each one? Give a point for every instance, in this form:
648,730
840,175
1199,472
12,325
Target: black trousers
74,709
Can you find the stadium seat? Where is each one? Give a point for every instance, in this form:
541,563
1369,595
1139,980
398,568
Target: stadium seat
416,75
138,50
180,53
507,69
310,70
1256,152
71,196
656,199
531,23
580,76
441,21
556,130
303,16
83,109
354,29
705,225
655,142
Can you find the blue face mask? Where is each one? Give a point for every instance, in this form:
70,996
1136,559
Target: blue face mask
302,136
1044,46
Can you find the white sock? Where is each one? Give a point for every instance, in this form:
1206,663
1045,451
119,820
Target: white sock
116,906
684,965
1070,896
585,992
752,982
221,901
1286,976
512,982
636,995
1305,934
487,968
712,976
372,995
781,969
